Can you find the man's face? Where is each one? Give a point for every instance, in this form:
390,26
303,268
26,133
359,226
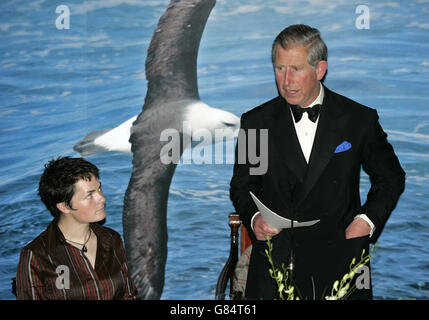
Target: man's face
88,201
297,81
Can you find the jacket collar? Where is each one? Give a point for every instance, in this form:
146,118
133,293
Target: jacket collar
285,139
330,128
331,125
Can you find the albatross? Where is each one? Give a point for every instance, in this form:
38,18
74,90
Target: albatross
172,98
197,115
172,85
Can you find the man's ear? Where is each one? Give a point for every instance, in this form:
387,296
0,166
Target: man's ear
321,68
63,207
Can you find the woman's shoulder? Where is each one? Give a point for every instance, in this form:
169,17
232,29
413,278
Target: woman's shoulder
106,232
39,242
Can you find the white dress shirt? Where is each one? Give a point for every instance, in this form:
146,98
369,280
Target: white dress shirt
306,131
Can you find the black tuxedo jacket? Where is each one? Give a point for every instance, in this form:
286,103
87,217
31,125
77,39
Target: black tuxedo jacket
327,188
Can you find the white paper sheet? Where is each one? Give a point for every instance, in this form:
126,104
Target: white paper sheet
276,221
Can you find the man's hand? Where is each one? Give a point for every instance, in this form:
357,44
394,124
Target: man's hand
261,228
358,228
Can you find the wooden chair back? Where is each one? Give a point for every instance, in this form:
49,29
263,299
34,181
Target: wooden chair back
227,273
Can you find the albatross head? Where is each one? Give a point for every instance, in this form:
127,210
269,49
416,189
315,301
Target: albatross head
219,123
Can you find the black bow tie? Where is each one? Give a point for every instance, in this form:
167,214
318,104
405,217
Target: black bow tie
313,112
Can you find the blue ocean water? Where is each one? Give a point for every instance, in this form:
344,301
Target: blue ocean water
56,85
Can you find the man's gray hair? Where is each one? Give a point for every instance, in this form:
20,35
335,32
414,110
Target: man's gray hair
301,34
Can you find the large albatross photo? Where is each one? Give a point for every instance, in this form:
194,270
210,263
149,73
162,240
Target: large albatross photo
172,99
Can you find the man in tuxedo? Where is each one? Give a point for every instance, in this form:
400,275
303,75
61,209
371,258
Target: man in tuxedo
318,141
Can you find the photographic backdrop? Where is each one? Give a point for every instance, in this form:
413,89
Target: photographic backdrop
64,76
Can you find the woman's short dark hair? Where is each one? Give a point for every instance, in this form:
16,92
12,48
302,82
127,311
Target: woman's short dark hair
57,181
301,34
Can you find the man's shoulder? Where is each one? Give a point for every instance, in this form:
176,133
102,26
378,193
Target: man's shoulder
349,105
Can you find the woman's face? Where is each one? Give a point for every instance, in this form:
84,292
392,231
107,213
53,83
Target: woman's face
88,201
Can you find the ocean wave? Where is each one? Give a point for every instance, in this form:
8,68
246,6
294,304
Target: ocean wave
243,9
89,6
405,136
413,155
225,9
424,26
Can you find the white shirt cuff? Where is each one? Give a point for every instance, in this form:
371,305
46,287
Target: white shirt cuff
365,217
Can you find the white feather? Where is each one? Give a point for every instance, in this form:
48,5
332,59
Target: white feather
199,116
118,138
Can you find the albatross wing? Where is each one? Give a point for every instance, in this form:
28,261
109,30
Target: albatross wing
171,66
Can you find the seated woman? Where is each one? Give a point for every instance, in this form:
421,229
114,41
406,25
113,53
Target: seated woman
75,257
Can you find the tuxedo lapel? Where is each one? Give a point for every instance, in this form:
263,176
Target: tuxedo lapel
285,140
329,130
